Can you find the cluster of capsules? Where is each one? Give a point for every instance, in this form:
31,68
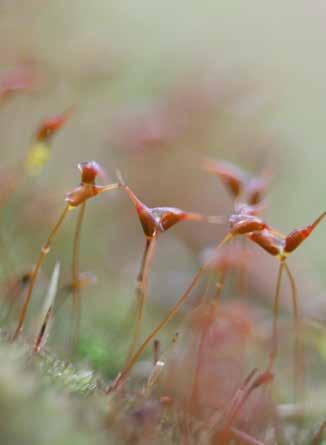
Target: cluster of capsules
247,192
245,221
154,222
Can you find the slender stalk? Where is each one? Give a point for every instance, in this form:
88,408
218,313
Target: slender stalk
235,400
141,291
106,188
171,314
318,437
318,220
76,272
243,270
242,395
298,351
44,251
221,421
276,310
244,437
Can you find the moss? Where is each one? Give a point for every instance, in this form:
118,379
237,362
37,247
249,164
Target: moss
32,409
66,376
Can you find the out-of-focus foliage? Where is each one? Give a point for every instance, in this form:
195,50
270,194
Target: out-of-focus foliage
43,400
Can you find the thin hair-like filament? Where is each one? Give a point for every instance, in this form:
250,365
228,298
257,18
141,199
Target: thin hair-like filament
298,350
171,314
76,274
141,291
276,309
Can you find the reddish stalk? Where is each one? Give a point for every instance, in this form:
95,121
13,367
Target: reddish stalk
44,251
171,314
276,310
298,348
76,272
86,190
141,290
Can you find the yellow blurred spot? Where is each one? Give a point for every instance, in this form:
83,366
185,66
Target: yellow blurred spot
37,157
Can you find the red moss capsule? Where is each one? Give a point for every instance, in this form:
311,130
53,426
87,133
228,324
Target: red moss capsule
88,189
89,170
157,219
160,219
51,125
147,219
232,177
243,224
169,216
148,222
269,242
297,236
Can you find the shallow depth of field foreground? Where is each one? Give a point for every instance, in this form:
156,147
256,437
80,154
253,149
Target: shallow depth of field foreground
162,230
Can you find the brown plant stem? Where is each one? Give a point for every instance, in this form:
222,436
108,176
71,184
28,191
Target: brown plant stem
141,291
44,251
171,314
